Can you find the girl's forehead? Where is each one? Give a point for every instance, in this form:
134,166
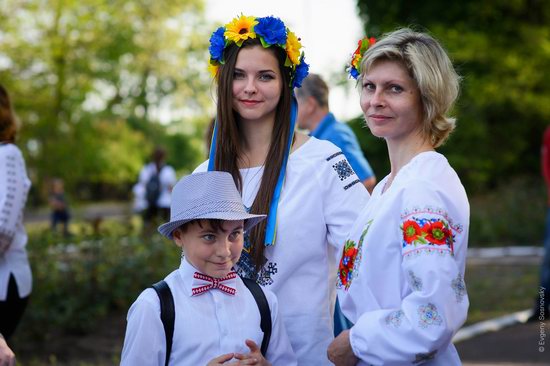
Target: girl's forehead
256,57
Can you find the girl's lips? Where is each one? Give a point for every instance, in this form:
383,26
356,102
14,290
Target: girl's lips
249,102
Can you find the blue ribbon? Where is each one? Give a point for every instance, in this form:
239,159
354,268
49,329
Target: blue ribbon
212,154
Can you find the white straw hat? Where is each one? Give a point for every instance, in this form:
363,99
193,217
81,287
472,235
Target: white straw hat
208,195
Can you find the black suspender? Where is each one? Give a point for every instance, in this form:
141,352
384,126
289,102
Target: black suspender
265,312
167,312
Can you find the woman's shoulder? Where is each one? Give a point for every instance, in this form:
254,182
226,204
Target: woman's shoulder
10,150
428,166
314,149
430,173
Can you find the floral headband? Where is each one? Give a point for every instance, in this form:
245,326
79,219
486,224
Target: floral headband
355,65
271,31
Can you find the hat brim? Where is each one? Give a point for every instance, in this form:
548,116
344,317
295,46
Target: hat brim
250,220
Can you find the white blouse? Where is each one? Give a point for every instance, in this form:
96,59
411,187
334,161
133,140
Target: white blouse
401,275
14,187
206,326
320,200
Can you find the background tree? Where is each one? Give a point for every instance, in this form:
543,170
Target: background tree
98,83
502,49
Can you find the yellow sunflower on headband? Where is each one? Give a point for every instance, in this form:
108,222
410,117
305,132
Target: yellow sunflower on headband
240,29
293,46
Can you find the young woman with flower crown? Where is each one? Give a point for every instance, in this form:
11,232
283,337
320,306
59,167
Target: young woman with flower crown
306,185
401,274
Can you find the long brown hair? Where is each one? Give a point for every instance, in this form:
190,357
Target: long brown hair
8,127
229,138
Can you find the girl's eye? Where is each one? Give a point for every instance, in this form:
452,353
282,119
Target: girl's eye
238,75
266,77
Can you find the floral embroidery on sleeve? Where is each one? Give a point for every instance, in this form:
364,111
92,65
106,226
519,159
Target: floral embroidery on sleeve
414,281
429,228
428,315
349,262
394,318
422,357
459,287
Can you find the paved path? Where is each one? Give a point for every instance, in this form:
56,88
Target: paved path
88,211
508,340
514,345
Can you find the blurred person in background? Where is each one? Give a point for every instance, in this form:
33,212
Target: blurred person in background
314,115
59,205
540,309
157,180
15,270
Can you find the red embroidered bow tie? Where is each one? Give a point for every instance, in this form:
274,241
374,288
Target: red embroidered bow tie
203,283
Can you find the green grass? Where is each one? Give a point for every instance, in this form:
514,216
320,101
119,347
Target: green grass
496,290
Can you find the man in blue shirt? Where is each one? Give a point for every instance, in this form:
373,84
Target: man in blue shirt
314,115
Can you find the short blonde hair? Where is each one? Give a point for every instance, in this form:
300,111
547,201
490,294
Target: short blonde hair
429,65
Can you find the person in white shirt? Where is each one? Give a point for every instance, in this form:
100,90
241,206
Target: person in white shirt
156,180
307,187
401,273
217,318
15,270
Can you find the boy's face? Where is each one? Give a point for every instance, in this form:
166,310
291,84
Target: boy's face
212,252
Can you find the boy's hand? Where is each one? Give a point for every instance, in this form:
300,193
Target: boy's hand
220,360
7,357
253,358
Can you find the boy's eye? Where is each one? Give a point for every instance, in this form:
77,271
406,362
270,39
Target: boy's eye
209,237
235,235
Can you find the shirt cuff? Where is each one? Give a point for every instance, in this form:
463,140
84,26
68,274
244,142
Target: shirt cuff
353,342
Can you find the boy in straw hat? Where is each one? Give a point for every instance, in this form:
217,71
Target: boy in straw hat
216,319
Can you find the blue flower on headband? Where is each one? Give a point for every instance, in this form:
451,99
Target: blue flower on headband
353,73
301,72
217,44
271,31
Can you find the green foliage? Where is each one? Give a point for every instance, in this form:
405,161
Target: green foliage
78,281
97,84
512,214
501,48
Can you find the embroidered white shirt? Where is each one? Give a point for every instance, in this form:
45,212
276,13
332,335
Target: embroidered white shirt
14,187
320,200
404,288
206,326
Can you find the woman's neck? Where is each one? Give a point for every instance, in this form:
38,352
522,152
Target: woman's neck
257,140
401,153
